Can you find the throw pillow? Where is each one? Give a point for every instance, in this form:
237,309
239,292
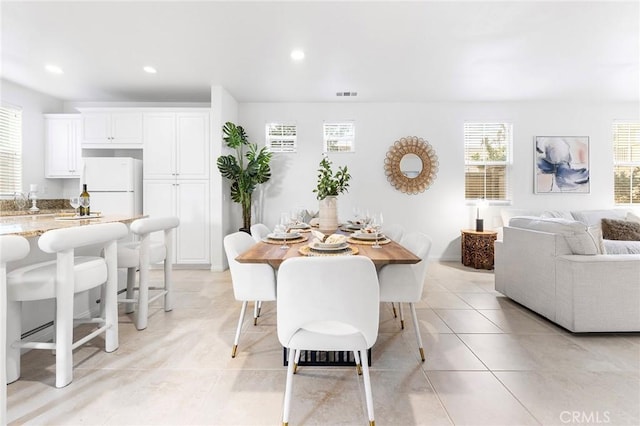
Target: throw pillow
621,230
632,217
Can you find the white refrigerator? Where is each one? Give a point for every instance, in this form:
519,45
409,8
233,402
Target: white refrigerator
114,184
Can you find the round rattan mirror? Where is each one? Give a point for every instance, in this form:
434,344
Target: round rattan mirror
411,165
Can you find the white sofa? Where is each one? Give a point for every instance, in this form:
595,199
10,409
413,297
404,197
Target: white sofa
555,267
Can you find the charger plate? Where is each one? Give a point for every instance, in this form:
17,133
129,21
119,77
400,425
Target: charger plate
352,240
348,251
300,239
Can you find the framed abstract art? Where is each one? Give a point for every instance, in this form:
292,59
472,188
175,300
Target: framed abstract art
561,164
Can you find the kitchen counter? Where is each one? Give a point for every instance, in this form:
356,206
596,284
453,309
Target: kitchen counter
36,225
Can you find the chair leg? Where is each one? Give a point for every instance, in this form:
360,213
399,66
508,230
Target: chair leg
367,387
142,313
256,312
14,331
393,306
356,357
110,298
131,283
240,320
288,388
64,318
415,326
297,360
259,307
401,315
168,285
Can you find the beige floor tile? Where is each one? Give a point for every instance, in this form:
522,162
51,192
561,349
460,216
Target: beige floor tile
516,321
478,398
445,300
448,352
466,321
486,300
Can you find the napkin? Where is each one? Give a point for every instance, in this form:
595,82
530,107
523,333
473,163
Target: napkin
331,239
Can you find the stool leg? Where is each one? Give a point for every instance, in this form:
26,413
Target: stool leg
131,283
14,331
168,286
143,285
64,318
111,297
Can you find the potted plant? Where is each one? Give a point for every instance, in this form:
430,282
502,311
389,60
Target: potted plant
246,169
330,185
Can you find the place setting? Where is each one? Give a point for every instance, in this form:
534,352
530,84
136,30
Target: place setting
288,231
327,245
370,234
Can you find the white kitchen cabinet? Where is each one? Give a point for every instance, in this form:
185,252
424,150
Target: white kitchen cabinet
120,128
188,199
176,145
63,153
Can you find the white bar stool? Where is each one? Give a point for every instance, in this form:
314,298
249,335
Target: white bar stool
139,255
12,247
61,279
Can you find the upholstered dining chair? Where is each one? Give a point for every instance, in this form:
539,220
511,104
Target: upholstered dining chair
259,231
61,279
255,282
12,247
328,304
393,231
140,255
404,283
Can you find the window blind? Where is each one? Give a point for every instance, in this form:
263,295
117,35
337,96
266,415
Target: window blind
339,137
626,162
281,137
10,150
487,154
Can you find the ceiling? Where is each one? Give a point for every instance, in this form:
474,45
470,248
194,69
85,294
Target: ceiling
386,51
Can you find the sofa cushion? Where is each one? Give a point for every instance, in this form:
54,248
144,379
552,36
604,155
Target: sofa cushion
632,217
557,213
621,230
580,238
593,217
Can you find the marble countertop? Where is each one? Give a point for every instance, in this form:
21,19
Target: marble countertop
36,225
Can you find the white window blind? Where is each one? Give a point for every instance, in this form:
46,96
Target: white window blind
626,162
281,137
339,137
10,150
487,159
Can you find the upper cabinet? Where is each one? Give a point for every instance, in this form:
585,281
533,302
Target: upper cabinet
111,128
63,155
176,145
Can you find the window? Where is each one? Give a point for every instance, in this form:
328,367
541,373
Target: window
487,157
10,150
339,137
281,137
626,162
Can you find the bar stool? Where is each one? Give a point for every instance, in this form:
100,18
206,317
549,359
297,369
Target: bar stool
61,279
139,255
12,247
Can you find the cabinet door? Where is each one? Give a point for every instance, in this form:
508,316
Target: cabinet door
159,146
192,145
62,147
96,128
159,199
192,238
126,128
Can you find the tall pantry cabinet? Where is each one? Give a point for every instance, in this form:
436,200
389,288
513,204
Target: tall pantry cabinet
176,177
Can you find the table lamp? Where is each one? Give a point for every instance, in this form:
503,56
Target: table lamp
480,202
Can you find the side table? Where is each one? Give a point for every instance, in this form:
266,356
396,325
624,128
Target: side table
477,248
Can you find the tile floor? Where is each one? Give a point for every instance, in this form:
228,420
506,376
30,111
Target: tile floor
489,362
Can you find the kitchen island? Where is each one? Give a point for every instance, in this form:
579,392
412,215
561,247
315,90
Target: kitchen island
30,226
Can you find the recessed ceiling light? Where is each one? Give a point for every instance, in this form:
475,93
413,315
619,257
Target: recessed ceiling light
297,55
150,70
54,69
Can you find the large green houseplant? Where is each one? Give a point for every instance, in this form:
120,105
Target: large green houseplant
246,169
330,185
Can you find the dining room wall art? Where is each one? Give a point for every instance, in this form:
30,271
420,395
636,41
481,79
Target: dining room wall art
561,164
411,165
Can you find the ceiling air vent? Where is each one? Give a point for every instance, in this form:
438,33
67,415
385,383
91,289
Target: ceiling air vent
346,93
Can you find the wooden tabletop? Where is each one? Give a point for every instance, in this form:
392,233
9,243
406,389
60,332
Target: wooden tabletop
272,254
36,225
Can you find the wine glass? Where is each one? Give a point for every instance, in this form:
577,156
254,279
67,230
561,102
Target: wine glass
20,200
75,203
283,229
376,224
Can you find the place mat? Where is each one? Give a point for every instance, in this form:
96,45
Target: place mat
300,239
306,251
384,240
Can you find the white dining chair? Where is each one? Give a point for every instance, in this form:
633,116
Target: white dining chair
404,283
328,304
12,248
139,255
259,231
251,282
394,231
61,279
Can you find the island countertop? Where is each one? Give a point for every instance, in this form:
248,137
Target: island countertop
36,225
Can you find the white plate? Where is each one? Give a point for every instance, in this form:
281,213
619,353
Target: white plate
366,236
354,226
337,247
300,226
324,246
283,236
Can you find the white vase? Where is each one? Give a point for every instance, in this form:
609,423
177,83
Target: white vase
328,216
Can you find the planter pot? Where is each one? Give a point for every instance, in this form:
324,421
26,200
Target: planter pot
328,215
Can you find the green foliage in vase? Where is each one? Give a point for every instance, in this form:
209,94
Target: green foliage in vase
246,169
330,184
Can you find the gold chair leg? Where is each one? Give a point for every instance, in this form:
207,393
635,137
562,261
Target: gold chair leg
393,306
402,324
295,368
255,321
422,354
233,351
359,369
372,423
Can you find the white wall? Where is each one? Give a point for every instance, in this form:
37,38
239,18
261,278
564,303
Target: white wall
441,210
34,105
